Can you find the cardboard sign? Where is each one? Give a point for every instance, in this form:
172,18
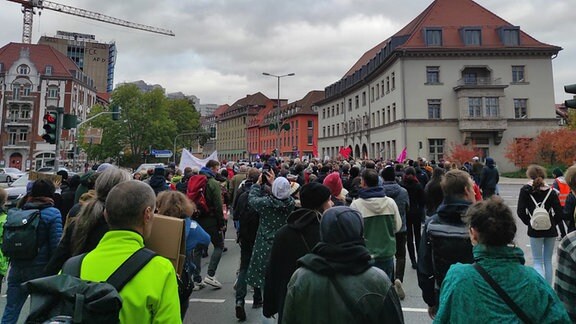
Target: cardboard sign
57,179
168,240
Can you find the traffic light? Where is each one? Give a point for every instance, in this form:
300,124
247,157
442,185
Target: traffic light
50,127
571,103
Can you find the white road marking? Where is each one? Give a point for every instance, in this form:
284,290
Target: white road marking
249,302
201,300
230,240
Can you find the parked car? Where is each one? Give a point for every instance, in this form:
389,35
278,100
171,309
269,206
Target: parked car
51,170
10,174
16,190
146,166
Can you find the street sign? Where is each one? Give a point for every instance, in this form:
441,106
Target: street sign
161,153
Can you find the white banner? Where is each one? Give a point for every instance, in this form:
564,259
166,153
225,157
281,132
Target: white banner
189,160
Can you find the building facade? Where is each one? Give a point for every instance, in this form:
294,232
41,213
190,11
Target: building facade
95,59
232,141
298,135
35,80
456,74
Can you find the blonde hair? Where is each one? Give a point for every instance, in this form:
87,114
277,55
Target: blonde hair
175,204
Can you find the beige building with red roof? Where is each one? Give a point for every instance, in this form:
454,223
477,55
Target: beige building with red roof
35,80
455,74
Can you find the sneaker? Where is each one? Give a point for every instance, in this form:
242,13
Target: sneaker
240,312
399,289
198,286
211,281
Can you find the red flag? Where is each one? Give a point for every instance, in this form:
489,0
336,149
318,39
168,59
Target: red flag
402,156
315,150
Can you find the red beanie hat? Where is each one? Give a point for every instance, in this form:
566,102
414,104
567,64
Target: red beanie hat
334,183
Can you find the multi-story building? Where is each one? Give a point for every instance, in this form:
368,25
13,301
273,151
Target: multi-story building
297,139
210,125
94,58
232,134
35,80
456,74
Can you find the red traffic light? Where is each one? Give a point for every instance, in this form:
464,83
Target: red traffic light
49,118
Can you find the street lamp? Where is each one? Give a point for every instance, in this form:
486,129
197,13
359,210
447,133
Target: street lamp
278,119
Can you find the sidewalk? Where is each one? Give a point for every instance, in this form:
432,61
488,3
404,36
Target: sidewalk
512,181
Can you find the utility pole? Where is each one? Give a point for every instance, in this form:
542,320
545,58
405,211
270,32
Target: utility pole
59,118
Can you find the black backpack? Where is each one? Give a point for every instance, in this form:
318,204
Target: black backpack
450,244
20,238
65,298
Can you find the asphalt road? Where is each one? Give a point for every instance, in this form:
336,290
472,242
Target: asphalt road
216,306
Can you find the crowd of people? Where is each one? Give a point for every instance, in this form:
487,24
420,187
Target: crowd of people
320,241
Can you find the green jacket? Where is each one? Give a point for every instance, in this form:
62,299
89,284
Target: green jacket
465,297
152,295
3,260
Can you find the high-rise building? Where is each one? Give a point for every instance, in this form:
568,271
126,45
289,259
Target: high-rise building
94,58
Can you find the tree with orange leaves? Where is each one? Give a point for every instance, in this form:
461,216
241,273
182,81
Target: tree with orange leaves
549,147
460,153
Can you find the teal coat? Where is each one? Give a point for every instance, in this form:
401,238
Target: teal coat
273,214
465,297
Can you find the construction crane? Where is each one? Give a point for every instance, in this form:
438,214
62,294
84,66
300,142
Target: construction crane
29,9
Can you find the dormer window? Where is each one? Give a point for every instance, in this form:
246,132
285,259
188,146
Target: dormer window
471,36
433,36
23,69
510,36
48,69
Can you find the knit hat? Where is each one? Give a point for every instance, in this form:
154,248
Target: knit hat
281,188
334,183
102,167
557,172
388,174
313,195
341,224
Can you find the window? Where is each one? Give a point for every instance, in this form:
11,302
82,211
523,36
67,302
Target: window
434,109
364,98
472,36
470,78
436,149
310,124
323,113
388,114
518,73
337,109
433,36
337,129
16,91
520,108
357,102
53,92
377,91
48,69
324,131
27,89
382,88
492,107
393,80
510,36
394,112
372,95
22,135
387,84
23,69
350,104
333,112
12,136
474,107
432,74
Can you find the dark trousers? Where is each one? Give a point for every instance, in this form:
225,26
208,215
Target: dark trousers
400,255
218,242
487,193
16,294
241,285
413,223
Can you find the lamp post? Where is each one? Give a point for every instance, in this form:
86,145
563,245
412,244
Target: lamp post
278,119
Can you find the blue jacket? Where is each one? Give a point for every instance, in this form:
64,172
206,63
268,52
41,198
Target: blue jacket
49,234
195,235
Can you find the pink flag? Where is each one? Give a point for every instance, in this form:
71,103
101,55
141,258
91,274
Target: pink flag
402,156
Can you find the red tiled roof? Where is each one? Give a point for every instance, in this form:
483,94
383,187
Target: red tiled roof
257,99
41,56
451,16
307,102
220,110
257,120
104,96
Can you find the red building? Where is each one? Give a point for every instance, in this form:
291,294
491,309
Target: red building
298,134
35,80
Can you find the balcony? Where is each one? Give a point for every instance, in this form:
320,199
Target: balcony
479,83
482,124
20,99
27,122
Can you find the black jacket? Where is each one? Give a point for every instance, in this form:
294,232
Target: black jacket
489,178
246,215
449,213
526,207
292,241
417,200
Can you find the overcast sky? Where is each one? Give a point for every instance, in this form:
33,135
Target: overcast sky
222,47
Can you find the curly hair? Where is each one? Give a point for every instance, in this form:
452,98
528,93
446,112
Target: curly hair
493,220
175,204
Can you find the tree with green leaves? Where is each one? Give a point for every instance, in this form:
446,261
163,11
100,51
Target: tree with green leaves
147,120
